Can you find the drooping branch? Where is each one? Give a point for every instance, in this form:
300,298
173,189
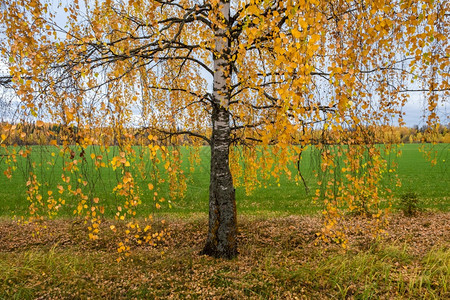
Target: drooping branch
5,80
183,132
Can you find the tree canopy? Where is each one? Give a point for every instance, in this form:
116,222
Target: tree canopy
248,78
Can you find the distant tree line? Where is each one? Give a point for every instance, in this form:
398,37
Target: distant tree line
40,133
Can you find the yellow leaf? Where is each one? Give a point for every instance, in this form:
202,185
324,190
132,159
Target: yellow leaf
314,38
295,33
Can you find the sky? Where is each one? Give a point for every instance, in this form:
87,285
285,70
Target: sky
413,109
3,69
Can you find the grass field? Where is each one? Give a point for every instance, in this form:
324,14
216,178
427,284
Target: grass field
431,183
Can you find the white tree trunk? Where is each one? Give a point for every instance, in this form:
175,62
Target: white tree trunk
222,232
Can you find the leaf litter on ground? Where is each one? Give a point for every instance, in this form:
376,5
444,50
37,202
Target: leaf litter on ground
279,257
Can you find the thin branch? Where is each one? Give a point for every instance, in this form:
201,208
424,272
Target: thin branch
184,132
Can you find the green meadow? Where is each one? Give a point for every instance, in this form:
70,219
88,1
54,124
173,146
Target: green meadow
272,198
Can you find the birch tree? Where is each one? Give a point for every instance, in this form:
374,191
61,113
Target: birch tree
245,77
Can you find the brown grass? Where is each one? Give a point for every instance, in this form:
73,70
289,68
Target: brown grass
279,259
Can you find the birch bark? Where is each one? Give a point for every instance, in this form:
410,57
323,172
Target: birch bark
222,230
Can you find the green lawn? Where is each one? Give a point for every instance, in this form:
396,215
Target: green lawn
431,183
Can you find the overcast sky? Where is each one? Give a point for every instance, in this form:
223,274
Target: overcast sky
413,109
